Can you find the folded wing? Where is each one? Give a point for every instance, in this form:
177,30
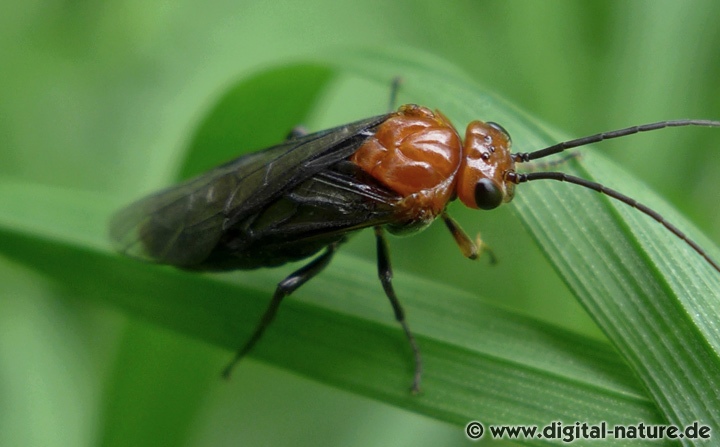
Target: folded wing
301,189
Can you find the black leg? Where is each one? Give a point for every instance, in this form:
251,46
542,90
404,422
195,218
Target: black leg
385,274
284,288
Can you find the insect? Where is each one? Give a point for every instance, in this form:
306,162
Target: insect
308,194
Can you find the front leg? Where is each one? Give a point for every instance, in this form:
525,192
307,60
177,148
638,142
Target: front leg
469,249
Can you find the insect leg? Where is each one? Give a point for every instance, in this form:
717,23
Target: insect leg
284,288
469,249
394,89
385,274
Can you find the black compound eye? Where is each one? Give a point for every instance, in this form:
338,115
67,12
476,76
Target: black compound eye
487,194
497,126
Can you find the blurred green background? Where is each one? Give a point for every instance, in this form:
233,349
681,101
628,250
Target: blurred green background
86,84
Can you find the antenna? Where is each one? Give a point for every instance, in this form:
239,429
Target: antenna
522,157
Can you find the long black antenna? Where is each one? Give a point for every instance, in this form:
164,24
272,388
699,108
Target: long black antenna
557,148
562,177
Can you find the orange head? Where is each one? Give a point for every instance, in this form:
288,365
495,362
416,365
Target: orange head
482,181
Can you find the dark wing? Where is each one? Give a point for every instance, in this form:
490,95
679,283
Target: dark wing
183,224
304,219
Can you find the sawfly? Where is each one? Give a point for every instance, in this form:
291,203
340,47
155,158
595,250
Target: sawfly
304,197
